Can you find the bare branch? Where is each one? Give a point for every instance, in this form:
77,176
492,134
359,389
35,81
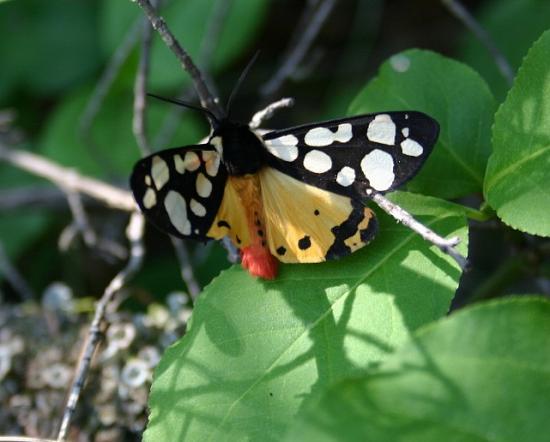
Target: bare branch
308,28
80,218
207,98
445,245
134,232
186,269
23,439
32,195
139,122
69,179
13,277
108,77
211,39
460,12
259,117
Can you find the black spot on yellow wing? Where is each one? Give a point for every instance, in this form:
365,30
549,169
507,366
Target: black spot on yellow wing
359,229
223,223
297,234
304,243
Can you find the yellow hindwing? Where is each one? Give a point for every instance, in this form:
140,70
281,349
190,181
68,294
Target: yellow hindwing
307,224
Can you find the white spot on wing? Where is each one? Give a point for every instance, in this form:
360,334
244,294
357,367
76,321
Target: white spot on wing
176,208
191,161
405,132
160,172
150,198
212,162
411,148
284,147
322,136
217,143
346,176
203,186
378,169
382,130
147,180
197,208
317,161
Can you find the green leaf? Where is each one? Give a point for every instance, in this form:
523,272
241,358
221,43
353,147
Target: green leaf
480,375
513,26
518,174
453,94
113,149
190,21
46,47
255,349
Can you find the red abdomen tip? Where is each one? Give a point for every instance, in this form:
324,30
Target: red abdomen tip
259,262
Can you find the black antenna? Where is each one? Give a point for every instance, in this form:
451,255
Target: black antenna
188,105
240,81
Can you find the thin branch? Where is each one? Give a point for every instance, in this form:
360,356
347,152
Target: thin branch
308,28
460,12
211,40
139,122
108,77
80,218
34,195
69,179
13,277
186,269
445,245
24,439
266,113
207,98
134,232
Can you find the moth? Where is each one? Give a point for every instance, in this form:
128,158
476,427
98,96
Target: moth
295,195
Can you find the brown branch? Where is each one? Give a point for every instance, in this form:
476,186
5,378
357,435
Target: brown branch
308,28
66,178
207,98
186,270
102,88
460,12
139,122
23,439
134,232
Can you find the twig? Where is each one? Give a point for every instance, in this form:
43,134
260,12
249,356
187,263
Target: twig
134,232
24,439
100,92
13,277
207,98
215,25
80,219
445,245
460,12
186,269
69,179
32,196
139,122
307,29
266,113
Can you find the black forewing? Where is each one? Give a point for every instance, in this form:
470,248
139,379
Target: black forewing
171,175
414,126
